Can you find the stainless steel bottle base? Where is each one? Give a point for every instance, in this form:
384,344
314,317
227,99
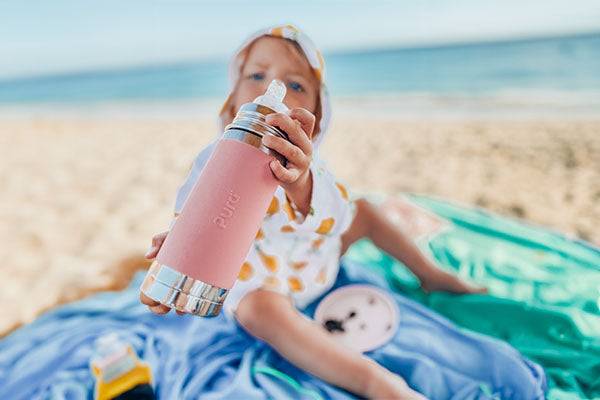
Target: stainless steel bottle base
176,290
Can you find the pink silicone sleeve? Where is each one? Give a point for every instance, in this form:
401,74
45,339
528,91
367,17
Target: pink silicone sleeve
219,221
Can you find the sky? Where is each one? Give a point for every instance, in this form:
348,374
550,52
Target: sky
44,37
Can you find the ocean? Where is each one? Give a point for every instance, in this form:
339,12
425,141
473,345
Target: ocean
559,65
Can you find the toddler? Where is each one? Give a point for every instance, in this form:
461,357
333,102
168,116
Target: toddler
309,224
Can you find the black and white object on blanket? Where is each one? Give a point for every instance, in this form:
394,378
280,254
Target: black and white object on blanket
363,317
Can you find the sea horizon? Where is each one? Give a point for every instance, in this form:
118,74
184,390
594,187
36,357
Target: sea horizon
535,76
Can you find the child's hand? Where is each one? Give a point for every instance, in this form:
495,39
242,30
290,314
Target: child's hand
157,242
295,178
155,306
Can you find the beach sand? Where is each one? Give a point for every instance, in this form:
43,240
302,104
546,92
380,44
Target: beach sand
83,196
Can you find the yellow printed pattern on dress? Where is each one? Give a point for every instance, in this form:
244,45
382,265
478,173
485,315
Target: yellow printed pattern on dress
321,277
299,265
270,262
287,207
325,226
246,272
274,206
343,190
295,284
271,281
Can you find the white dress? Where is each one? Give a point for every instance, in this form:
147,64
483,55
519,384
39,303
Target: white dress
292,255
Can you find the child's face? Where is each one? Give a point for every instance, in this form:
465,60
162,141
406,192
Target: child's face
274,58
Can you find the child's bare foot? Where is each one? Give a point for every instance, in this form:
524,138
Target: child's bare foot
440,281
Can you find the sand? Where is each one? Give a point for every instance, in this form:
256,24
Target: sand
83,195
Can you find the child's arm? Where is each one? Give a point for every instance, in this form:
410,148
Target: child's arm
385,235
371,222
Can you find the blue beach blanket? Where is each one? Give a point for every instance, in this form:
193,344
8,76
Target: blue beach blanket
193,357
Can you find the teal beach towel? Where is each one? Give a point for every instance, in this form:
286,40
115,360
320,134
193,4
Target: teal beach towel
544,287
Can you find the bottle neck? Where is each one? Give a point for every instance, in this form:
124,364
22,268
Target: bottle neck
249,126
252,118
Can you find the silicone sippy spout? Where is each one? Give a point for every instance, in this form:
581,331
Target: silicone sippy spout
273,97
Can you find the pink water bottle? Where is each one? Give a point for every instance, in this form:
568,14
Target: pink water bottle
204,251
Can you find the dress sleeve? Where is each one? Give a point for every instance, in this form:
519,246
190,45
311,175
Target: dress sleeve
331,210
185,189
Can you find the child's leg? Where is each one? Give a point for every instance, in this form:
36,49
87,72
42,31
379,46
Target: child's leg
272,317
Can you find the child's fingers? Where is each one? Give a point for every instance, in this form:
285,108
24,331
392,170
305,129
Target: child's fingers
293,154
283,174
154,305
151,253
293,128
159,309
306,118
157,240
147,300
481,290
179,312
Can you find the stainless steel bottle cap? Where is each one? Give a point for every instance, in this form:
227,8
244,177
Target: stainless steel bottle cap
251,117
249,126
176,290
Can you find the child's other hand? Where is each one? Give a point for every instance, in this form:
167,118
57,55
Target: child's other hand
157,242
436,280
155,306
295,177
